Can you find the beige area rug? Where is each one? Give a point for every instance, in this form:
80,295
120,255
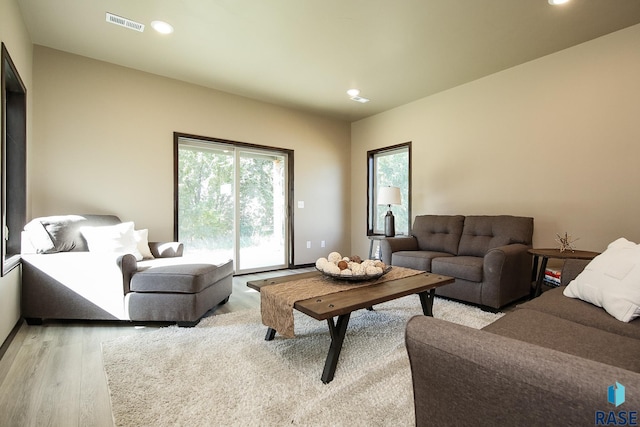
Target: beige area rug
223,372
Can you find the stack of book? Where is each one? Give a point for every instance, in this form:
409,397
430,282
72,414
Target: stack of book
552,276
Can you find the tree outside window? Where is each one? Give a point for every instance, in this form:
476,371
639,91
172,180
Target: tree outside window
232,201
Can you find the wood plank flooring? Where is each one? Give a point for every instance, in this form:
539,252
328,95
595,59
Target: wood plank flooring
52,374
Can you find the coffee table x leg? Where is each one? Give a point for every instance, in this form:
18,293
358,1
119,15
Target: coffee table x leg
426,300
337,331
271,334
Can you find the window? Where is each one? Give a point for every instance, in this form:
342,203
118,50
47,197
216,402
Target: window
232,201
389,166
14,161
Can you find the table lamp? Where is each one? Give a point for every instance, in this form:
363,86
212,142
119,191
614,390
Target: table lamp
389,196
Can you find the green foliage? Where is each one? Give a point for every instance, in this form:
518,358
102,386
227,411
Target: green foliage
256,198
393,170
206,197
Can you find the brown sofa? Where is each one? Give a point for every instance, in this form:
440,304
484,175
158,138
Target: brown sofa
549,362
486,254
63,279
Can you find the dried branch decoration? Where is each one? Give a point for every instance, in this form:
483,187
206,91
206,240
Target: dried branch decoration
566,242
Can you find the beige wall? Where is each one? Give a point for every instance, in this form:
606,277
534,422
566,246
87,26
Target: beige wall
103,143
14,35
557,139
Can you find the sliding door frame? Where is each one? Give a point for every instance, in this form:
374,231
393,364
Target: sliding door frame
240,145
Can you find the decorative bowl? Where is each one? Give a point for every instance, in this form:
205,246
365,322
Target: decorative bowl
361,278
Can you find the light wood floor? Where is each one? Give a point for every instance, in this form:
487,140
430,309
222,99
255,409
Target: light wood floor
52,375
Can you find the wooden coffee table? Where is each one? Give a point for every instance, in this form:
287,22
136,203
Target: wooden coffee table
342,304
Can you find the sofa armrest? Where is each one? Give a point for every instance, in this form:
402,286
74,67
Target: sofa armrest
390,245
128,265
507,274
465,376
514,253
571,269
166,249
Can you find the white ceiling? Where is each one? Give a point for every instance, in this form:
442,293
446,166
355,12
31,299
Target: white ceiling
305,54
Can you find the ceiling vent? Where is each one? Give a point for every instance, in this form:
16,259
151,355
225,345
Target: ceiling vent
124,22
360,99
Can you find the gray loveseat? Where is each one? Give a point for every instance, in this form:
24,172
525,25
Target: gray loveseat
549,362
486,254
63,279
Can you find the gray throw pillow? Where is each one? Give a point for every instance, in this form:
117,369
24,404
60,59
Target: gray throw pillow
54,233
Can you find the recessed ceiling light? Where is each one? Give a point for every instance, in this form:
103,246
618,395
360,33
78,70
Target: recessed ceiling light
162,27
557,2
354,95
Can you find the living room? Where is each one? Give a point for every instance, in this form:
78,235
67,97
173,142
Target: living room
555,138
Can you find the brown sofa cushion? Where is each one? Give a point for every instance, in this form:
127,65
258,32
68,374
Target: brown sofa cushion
418,260
439,233
461,267
482,233
555,303
549,331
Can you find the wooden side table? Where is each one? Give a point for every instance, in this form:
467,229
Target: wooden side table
378,237
545,254
373,238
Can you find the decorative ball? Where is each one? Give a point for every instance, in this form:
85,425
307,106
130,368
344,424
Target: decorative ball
331,268
371,270
334,257
368,263
320,263
343,265
357,269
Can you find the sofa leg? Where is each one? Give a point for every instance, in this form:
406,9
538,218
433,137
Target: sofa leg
187,324
488,309
33,320
224,301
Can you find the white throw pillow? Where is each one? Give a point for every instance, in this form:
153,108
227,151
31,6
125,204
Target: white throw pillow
142,240
118,239
611,281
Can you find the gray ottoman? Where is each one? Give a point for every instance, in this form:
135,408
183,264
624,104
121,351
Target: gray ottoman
180,292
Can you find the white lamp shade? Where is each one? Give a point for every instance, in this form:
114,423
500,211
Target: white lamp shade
389,196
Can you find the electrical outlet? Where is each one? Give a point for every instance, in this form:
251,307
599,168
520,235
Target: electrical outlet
322,245
308,244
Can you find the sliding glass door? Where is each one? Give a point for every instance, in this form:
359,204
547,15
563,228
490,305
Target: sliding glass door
232,203
261,211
